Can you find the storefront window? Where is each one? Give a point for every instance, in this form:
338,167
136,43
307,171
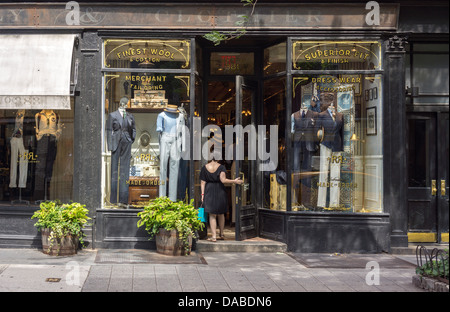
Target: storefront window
274,113
145,124
337,143
275,59
36,155
336,150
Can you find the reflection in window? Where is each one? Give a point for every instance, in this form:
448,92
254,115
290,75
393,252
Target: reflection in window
336,143
274,112
275,59
418,153
145,123
36,159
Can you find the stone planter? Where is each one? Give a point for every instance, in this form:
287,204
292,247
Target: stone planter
430,284
168,243
65,246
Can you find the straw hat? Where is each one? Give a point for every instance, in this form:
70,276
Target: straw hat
171,108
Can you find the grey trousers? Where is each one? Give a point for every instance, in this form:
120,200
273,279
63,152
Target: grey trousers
169,158
120,171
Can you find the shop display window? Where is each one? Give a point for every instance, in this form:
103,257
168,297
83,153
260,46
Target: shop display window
36,158
145,124
337,143
336,150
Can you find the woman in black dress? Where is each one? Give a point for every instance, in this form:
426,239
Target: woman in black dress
214,195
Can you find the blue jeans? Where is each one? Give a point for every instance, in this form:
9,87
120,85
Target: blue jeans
169,159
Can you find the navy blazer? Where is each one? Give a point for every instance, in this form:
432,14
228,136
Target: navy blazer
114,131
333,130
305,129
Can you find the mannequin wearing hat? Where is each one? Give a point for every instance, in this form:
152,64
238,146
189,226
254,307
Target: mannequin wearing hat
170,127
120,135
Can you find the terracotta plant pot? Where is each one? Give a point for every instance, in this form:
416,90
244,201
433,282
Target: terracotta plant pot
65,246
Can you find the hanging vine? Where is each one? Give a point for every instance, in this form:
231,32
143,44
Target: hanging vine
241,24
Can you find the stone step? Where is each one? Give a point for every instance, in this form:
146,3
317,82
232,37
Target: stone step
411,248
240,246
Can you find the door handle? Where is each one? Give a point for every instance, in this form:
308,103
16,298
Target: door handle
433,188
442,187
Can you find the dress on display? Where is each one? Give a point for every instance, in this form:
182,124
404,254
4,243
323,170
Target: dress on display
215,198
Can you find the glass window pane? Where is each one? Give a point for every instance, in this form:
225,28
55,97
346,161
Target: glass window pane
36,159
146,119
335,55
419,47
418,153
230,63
275,59
431,73
274,112
150,54
337,143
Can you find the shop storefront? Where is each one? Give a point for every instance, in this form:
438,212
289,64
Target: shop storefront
309,108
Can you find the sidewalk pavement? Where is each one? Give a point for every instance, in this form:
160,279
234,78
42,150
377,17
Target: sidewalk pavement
104,270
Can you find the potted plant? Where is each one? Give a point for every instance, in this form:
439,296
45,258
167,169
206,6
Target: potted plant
173,224
61,226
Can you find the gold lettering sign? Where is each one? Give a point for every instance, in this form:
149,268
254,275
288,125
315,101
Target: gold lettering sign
145,182
122,53
330,54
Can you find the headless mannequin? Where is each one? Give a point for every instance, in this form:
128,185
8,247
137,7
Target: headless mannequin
121,132
330,156
48,131
168,126
303,125
18,152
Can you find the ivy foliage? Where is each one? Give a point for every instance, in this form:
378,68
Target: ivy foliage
61,219
435,268
163,213
217,37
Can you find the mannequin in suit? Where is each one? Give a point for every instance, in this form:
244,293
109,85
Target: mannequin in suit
331,146
120,134
170,126
304,139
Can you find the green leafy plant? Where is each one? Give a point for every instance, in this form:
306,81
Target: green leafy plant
241,24
62,220
163,213
435,268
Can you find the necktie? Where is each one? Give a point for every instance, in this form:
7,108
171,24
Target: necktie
303,114
124,121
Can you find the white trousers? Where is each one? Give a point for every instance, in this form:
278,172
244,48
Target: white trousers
17,149
330,165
